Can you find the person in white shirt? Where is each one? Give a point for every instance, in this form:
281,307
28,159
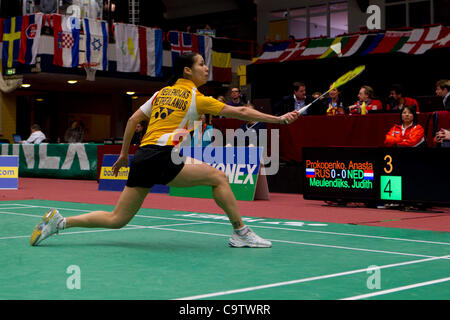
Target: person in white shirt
37,136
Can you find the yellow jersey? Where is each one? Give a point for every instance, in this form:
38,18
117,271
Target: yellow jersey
173,111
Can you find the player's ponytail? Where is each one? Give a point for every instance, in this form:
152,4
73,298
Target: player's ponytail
185,60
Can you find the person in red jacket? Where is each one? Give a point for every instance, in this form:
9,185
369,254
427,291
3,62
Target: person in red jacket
397,100
366,102
409,133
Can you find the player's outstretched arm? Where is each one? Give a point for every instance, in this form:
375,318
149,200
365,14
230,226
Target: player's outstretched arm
249,114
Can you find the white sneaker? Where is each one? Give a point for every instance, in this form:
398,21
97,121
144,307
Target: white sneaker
47,227
250,240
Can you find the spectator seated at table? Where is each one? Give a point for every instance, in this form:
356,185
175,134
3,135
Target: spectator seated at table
366,102
36,136
297,100
397,101
409,133
442,138
334,104
443,91
236,98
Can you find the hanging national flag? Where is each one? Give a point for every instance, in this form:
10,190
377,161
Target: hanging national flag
272,52
151,51
353,44
12,31
362,45
221,60
284,51
392,41
180,42
423,39
31,34
370,44
66,35
293,51
184,42
444,39
338,41
316,48
127,47
96,34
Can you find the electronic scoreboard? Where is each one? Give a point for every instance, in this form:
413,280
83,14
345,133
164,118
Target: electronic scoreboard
409,175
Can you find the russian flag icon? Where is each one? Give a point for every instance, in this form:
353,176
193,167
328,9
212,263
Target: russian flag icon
310,172
368,174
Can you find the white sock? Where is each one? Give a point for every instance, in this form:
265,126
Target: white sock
61,224
242,231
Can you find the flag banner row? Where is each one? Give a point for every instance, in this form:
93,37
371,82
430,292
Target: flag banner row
138,49
406,40
79,41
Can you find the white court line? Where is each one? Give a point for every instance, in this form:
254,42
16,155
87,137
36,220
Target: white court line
312,231
61,234
284,283
273,240
21,214
168,225
411,286
304,243
17,205
132,227
274,228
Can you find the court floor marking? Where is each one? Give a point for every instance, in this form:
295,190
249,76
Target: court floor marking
411,286
267,227
131,227
12,204
265,286
225,235
284,283
60,234
21,214
299,243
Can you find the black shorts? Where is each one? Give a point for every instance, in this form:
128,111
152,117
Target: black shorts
152,165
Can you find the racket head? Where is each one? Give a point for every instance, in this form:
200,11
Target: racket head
348,76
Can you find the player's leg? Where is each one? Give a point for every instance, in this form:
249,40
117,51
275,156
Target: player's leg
128,205
202,174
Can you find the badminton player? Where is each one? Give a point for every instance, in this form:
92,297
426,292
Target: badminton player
170,111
